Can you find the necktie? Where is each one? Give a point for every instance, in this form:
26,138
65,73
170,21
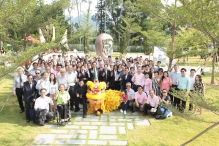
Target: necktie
95,74
20,81
106,75
30,85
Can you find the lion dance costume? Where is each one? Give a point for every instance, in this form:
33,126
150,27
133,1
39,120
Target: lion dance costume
100,99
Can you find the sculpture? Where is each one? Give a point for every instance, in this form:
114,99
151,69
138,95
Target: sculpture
104,45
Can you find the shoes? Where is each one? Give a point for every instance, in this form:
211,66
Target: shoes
21,111
27,121
143,114
72,108
125,112
76,110
170,114
84,116
133,111
121,111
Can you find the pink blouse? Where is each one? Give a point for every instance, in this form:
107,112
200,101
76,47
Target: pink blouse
165,84
147,84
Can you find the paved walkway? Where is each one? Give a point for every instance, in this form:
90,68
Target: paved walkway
93,130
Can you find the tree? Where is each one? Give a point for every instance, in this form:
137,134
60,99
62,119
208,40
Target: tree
17,26
202,15
101,15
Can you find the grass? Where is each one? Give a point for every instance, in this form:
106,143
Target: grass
172,131
13,127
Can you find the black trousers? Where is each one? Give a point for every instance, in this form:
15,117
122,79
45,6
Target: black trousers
171,96
135,87
74,101
178,101
84,103
19,93
27,107
62,109
146,108
116,85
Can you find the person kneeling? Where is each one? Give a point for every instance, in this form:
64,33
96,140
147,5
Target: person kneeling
140,99
162,111
151,104
42,108
62,101
124,99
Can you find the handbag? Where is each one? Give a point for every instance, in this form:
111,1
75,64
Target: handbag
31,111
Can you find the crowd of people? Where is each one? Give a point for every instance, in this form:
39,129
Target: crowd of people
51,83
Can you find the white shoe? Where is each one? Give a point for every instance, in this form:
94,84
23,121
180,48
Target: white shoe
170,114
125,112
121,111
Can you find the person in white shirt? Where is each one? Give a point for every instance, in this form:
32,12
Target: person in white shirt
42,103
53,90
191,81
18,87
43,83
72,79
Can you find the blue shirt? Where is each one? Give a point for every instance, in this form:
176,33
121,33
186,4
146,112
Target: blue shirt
183,83
174,77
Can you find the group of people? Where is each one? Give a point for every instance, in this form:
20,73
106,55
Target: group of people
54,82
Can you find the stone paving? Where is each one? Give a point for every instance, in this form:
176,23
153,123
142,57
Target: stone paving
93,130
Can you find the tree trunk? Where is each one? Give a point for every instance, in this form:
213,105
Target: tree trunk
213,67
172,45
77,4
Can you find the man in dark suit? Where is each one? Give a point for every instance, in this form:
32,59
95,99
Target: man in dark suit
103,75
83,74
30,94
126,78
93,72
81,93
147,70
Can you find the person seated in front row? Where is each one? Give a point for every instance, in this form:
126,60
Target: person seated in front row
140,99
62,102
151,104
124,99
42,108
131,95
162,111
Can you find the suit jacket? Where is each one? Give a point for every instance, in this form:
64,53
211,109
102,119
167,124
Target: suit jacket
103,77
81,90
30,93
83,75
126,80
92,74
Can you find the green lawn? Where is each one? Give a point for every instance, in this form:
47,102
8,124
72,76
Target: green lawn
173,131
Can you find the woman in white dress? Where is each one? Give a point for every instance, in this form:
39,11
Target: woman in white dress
53,91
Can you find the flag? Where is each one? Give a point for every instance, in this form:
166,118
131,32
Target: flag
53,34
64,41
42,38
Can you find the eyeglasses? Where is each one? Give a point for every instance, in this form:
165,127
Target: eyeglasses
164,92
30,78
37,73
128,86
182,71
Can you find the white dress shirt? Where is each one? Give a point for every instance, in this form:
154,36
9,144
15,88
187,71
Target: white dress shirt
42,103
71,77
45,84
16,83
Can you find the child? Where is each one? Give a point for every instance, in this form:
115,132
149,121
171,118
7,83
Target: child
124,99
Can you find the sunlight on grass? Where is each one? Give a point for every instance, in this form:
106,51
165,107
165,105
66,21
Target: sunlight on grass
13,127
172,131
